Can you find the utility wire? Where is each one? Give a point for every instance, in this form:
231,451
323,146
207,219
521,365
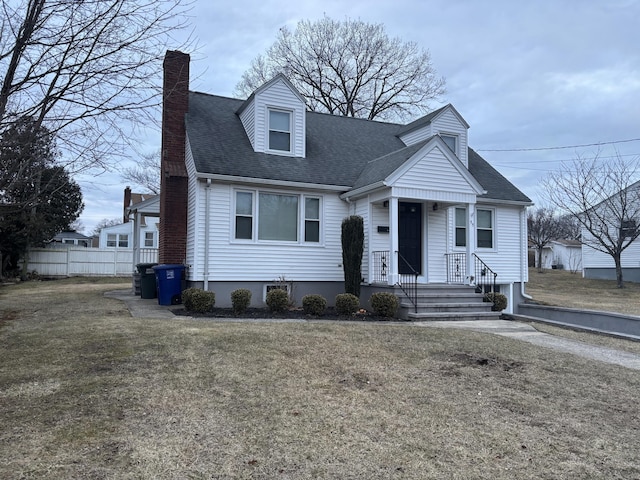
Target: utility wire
556,148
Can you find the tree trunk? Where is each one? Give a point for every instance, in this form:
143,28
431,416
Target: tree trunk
539,255
619,282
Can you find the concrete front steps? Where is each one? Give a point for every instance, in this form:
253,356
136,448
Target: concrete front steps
446,302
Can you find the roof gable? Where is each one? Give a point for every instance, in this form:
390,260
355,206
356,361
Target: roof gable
416,164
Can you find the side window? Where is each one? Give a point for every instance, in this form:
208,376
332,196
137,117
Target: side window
111,239
461,227
485,228
311,219
148,239
628,228
123,240
244,216
451,141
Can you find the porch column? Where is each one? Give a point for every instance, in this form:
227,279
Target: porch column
471,242
393,277
137,218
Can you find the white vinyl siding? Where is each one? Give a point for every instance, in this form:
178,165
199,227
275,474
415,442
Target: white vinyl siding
447,123
278,96
509,252
434,174
436,245
231,260
248,119
195,218
592,258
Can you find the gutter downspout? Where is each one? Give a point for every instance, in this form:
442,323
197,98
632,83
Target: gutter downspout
207,191
523,256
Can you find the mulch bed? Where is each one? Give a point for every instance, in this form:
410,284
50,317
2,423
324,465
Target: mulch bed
293,313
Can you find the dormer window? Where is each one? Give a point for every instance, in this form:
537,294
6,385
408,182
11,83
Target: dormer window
280,130
451,141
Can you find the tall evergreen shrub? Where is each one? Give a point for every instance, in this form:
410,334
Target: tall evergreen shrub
352,249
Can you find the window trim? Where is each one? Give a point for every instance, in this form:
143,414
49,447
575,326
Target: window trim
113,240
456,141
628,228
269,130
493,228
153,240
456,227
492,212
300,218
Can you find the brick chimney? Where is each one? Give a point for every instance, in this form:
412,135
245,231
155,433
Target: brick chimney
127,203
173,171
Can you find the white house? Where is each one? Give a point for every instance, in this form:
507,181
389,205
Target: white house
563,255
256,190
140,230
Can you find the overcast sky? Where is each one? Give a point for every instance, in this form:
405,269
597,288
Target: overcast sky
523,74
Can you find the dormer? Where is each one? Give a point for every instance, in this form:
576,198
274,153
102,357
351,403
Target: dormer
447,123
274,119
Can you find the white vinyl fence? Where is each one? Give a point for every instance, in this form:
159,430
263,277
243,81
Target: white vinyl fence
81,261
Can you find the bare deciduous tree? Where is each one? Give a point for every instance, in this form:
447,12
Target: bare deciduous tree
543,225
604,199
146,173
349,68
84,69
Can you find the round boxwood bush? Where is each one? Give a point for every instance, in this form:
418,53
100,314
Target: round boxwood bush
314,304
347,304
240,300
198,300
499,300
384,304
277,300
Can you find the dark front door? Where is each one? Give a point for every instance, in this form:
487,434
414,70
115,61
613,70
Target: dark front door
410,237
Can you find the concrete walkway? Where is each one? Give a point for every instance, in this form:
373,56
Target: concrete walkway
526,333
149,308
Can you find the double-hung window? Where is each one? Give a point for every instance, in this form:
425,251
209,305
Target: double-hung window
148,239
280,130
484,227
112,240
628,228
277,217
244,215
311,219
461,227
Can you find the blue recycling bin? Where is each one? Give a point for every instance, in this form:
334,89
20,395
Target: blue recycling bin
169,281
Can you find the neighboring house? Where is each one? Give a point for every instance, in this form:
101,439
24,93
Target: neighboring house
254,192
139,229
563,255
66,238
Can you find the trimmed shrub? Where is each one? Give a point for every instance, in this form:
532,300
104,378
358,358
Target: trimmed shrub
499,300
240,300
187,296
314,304
198,300
347,304
352,249
384,304
277,300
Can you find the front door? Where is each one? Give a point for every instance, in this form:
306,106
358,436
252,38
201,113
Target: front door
410,237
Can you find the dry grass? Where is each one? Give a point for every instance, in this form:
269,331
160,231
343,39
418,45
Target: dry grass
89,392
566,289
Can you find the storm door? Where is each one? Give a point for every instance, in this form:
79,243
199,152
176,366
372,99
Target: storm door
410,237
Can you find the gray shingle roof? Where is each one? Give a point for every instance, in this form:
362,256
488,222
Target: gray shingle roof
337,150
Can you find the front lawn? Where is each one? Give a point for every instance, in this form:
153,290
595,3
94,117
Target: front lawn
89,392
